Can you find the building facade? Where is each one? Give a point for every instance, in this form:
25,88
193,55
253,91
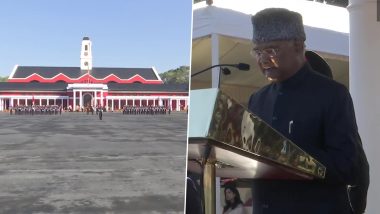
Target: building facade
79,87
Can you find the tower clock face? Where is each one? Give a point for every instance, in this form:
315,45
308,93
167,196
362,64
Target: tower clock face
85,53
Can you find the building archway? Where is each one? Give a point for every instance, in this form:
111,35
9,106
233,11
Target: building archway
87,100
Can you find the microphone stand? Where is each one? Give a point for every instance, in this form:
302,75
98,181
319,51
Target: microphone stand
219,65
240,66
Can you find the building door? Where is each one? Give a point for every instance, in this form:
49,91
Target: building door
87,100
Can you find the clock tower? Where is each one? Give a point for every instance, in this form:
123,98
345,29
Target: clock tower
86,55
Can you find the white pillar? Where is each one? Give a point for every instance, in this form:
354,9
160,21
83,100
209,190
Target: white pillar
1,104
215,60
101,97
80,99
364,86
55,101
217,195
140,102
112,100
160,101
119,103
18,101
74,100
96,101
26,101
133,101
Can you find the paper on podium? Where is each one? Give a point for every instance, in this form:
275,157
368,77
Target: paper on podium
242,144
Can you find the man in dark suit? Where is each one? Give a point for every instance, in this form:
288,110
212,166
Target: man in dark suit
314,112
193,197
100,113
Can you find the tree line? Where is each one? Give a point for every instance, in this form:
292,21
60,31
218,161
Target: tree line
176,76
3,79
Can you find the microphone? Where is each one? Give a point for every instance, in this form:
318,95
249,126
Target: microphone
243,66
240,66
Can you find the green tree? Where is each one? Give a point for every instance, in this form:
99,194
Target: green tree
176,76
3,79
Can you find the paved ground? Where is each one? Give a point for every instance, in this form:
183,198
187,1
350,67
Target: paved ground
76,163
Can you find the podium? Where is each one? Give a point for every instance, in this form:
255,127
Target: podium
226,140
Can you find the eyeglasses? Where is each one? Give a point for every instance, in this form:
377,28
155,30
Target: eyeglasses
271,52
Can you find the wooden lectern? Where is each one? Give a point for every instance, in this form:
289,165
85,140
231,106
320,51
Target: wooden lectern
229,141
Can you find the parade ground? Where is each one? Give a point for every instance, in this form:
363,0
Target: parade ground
76,163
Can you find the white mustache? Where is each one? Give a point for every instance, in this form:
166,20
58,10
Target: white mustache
273,64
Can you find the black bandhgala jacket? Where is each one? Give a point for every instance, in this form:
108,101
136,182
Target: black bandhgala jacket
317,114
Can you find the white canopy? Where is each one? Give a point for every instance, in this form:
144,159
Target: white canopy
222,35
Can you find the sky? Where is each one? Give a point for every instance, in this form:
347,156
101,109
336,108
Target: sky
124,33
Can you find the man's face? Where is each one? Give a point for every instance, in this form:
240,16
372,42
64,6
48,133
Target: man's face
276,59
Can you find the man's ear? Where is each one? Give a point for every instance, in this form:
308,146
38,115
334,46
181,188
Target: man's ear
299,46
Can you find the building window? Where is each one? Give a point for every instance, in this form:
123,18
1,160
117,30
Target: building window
85,63
85,47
